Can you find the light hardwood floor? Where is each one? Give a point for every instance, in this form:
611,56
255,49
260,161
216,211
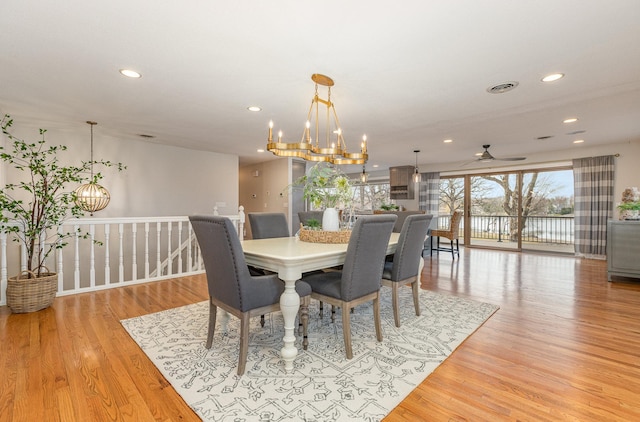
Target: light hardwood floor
565,345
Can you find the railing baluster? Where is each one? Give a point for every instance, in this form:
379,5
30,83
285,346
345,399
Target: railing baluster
60,266
158,262
146,250
121,253
134,262
169,261
76,266
179,251
107,268
92,256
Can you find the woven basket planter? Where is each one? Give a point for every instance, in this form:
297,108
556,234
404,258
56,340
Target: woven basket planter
321,236
28,293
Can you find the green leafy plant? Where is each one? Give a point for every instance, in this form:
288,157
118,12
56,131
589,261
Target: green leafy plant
629,206
326,186
313,224
34,208
389,207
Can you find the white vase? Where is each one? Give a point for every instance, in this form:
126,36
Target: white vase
330,220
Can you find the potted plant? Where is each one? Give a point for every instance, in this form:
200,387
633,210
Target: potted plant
34,208
630,210
327,187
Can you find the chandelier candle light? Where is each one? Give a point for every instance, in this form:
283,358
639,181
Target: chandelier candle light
333,151
92,197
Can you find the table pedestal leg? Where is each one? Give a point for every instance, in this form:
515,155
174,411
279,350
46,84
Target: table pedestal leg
289,305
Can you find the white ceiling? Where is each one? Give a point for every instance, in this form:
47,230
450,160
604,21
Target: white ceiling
409,74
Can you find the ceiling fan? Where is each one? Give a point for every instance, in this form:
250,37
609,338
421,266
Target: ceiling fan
486,156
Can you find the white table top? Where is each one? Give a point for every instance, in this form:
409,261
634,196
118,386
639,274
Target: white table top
289,256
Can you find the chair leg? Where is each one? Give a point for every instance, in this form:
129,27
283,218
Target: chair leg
333,314
416,302
213,311
262,320
453,253
346,332
321,308
458,247
396,303
244,342
304,317
376,317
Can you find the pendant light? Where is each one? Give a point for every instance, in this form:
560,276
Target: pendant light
364,176
92,197
416,173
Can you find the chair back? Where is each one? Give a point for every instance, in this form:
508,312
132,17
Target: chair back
406,260
305,216
454,226
265,225
364,262
223,258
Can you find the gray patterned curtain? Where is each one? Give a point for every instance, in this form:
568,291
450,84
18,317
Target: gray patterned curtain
593,190
429,193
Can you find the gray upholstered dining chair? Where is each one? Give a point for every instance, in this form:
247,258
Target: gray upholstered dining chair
404,267
359,280
265,225
305,216
232,287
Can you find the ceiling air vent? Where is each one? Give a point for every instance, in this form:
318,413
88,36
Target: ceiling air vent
142,135
576,132
503,87
545,137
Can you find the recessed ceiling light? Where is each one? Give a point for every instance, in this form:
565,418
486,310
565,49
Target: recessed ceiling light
478,154
570,120
260,150
130,73
448,141
254,108
552,77
578,141
375,166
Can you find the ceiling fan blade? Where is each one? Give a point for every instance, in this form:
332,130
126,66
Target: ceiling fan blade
512,159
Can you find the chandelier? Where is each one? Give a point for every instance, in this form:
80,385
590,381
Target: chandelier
92,197
334,148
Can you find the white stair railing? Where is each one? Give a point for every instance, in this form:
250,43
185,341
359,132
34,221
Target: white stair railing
129,251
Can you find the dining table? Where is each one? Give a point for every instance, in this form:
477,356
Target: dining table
290,257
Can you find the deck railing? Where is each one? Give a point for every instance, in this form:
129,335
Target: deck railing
116,252
557,230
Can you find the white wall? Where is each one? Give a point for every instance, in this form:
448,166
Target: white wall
159,180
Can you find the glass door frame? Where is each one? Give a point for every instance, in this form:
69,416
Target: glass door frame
467,208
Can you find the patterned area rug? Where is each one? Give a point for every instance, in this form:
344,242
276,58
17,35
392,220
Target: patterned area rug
324,385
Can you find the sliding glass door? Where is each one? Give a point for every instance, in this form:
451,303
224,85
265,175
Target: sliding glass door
493,217
517,210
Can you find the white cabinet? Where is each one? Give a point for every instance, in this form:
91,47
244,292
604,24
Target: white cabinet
623,248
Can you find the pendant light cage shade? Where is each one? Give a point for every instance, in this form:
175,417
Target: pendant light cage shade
364,176
416,173
92,197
